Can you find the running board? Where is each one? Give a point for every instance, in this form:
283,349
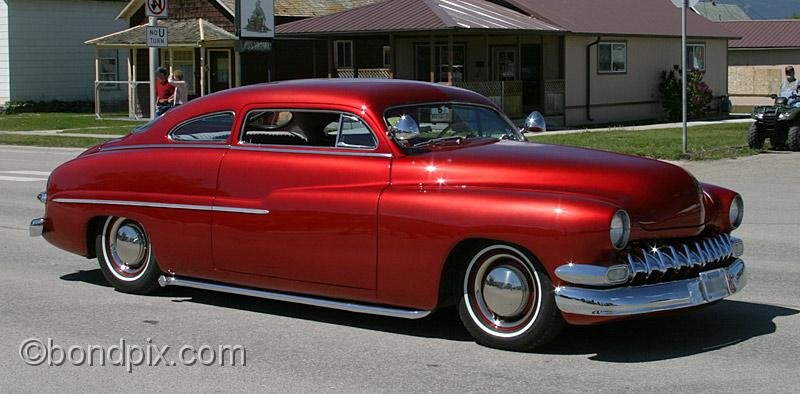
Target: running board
298,299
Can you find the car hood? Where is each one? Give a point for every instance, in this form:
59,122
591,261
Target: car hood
657,195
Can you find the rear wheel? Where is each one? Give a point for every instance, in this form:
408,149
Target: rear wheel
793,139
126,256
755,137
507,300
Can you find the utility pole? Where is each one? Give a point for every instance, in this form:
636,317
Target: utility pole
151,21
684,71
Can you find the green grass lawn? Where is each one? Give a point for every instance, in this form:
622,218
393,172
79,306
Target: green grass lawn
60,121
52,141
705,142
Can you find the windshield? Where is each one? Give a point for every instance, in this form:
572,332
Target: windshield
452,122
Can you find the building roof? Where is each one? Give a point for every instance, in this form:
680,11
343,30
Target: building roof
296,8
190,32
409,15
721,12
765,33
620,17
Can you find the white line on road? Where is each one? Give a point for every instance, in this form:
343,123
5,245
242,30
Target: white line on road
40,173
21,179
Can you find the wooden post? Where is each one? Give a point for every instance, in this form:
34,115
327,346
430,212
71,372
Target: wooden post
96,79
487,57
354,57
202,71
171,60
314,56
433,61
131,78
330,58
450,58
518,60
238,59
392,56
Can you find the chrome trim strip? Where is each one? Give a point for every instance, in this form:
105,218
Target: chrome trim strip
635,300
184,145
588,274
298,299
162,205
36,228
263,148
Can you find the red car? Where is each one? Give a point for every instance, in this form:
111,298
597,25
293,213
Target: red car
394,198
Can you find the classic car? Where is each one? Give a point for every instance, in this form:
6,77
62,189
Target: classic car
394,198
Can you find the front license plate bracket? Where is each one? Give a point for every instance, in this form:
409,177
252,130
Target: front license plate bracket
714,284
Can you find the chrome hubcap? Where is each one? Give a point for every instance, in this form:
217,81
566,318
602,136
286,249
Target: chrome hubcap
505,291
127,248
502,291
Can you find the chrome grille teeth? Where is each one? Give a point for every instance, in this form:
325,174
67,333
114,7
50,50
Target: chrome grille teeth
653,264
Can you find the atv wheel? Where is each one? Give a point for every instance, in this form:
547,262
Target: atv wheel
755,137
778,138
793,140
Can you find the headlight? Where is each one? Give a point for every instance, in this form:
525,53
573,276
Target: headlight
736,211
620,229
759,116
783,115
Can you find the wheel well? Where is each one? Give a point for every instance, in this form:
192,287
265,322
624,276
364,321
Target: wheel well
93,229
457,259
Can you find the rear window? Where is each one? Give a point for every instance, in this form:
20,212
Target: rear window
209,128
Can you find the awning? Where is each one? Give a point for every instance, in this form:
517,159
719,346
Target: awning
189,32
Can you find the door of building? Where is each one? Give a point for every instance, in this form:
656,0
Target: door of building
219,70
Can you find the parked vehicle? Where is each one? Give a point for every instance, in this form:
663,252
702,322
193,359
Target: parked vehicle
394,198
779,123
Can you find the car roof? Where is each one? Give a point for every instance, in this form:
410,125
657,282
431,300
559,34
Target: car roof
377,94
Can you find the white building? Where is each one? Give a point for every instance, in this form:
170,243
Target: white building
42,51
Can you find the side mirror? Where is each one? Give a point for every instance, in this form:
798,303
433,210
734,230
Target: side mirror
534,123
406,128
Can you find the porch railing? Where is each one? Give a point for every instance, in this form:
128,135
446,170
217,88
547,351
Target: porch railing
384,73
554,97
121,99
506,94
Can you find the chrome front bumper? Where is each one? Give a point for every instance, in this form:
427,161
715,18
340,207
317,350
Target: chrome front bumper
36,228
657,297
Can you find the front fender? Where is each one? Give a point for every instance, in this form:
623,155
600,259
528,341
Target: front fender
419,227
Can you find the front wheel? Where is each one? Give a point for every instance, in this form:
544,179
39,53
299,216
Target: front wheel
508,301
755,137
793,140
126,257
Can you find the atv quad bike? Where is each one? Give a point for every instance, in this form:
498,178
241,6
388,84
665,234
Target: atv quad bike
780,123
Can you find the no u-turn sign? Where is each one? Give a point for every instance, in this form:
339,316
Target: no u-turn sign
157,37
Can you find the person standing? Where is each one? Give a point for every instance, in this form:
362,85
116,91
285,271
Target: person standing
181,95
165,92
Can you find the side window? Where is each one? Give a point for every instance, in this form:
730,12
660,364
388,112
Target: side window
306,128
353,133
209,128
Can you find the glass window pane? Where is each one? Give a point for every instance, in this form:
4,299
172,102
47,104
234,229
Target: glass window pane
211,128
353,133
604,57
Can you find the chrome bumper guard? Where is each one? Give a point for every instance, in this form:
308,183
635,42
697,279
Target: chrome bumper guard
708,287
36,228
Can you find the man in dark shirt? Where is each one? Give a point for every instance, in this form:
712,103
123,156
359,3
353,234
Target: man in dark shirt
164,92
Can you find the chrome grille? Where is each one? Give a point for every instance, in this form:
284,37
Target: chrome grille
668,261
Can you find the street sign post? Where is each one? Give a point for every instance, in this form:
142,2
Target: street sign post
684,5
157,37
156,8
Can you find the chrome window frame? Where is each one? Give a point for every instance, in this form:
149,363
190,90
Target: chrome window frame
299,148
170,135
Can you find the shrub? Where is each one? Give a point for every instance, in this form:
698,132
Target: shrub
699,95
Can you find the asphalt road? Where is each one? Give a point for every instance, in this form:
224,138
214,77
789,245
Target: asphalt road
748,343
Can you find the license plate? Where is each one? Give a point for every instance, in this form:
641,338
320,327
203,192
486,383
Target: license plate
714,284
